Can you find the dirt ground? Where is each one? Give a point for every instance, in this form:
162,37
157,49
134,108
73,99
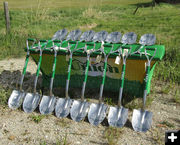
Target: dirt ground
17,127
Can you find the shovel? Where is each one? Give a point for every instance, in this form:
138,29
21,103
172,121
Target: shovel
63,105
47,103
142,119
97,112
79,109
117,116
17,96
31,100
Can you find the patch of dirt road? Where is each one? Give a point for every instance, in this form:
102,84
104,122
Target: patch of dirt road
17,127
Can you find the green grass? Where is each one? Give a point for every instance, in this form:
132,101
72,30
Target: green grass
37,118
4,95
62,141
176,97
112,134
168,124
41,19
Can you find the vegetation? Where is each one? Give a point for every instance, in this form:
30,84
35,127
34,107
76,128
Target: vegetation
37,118
112,134
62,141
4,93
167,124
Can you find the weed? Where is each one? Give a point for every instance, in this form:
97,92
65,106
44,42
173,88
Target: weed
4,96
108,101
43,143
168,124
112,134
134,103
156,137
176,97
149,101
37,118
63,141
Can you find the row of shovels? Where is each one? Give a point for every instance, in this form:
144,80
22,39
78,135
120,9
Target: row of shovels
78,109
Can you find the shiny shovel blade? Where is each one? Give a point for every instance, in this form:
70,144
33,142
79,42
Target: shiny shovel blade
16,99
97,113
31,102
47,105
141,120
62,108
117,117
79,110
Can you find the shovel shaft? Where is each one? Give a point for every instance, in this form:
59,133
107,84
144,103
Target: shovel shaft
86,75
87,68
69,67
35,83
122,75
38,70
26,63
104,71
53,72
103,80
39,64
24,70
147,76
69,74
146,84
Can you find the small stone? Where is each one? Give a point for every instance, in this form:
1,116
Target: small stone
6,131
12,137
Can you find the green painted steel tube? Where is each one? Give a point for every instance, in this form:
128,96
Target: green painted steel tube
104,72
87,69
69,68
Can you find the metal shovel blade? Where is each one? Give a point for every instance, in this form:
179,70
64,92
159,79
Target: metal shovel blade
97,113
47,105
79,110
31,102
117,117
141,120
16,99
62,108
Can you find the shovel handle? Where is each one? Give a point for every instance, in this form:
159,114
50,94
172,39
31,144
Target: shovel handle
147,77
53,72
87,68
39,64
122,75
69,66
38,70
69,74
24,69
103,80
146,85
86,75
104,71
121,84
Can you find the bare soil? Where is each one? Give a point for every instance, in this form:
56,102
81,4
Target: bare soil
17,127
